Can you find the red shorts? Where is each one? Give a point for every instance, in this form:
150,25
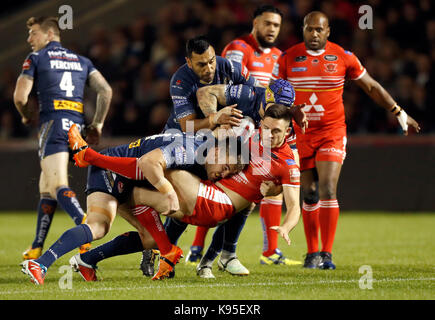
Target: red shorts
212,206
321,146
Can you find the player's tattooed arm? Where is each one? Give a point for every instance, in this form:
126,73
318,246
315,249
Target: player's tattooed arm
21,95
210,96
104,96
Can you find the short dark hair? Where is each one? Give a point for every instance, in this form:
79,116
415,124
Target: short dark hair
266,8
45,23
198,45
278,111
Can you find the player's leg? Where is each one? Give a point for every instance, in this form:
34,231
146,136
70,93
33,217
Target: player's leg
46,208
329,173
195,252
310,216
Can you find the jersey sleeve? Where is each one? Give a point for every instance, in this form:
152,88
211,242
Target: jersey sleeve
242,95
240,74
236,52
281,73
90,66
182,97
354,68
30,65
290,173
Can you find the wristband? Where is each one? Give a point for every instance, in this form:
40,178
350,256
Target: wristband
164,186
395,109
98,126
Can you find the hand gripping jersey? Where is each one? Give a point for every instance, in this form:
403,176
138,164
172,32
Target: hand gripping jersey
184,84
60,76
278,166
318,79
261,62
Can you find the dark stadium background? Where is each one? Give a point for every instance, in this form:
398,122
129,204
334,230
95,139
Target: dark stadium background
138,45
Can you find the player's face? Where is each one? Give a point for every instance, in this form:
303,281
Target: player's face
220,166
274,131
37,39
204,65
266,28
316,33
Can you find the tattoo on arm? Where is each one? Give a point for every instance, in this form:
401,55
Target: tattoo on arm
104,96
209,97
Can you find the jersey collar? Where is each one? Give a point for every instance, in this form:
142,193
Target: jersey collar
317,52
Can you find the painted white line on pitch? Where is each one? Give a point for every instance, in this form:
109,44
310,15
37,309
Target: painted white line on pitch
211,285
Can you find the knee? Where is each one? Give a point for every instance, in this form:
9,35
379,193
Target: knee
99,230
327,190
310,195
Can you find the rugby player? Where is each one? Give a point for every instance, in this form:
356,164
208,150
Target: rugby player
206,204
257,52
107,190
59,76
317,68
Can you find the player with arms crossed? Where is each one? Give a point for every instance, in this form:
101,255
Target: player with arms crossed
317,69
59,76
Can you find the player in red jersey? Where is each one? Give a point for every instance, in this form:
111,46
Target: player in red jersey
317,69
257,52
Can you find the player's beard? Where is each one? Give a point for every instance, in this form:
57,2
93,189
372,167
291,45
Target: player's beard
263,42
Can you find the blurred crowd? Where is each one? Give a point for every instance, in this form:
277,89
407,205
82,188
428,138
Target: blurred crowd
139,59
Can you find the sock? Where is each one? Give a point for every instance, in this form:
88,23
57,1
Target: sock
200,234
69,240
125,243
270,215
67,199
46,209
150,219
125,166
328,218
174,229
310,216
233,228
215,246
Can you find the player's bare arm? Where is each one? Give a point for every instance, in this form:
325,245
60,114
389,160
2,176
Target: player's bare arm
21,95
226,116
210,96
384,99
153,167
104,96
291,198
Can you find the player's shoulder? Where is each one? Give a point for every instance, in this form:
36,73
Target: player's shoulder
294,50
334,48
182,77
240,43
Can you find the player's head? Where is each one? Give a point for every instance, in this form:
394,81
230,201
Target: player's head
201,58
42,30
275,125
266,25
280,91
224,160
316,30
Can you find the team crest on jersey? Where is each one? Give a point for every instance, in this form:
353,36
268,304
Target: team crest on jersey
275,57
27,63
331,67
300,58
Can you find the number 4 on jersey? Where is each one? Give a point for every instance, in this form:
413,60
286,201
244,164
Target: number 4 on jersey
66,84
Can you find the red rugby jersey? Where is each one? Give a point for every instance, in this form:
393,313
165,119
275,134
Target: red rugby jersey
260,62
318,78
278,166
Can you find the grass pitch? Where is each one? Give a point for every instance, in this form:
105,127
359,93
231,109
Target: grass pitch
397,248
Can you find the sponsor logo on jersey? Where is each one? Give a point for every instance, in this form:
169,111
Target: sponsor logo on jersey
295,175
134,144
290,162
257,54
314,61
330,67
330,57
275,56
257,64
68,105
300,58
299,69
347,52
27,64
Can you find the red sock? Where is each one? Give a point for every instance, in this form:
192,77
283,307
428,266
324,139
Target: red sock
150,219
310,216
270,214
201,233
124,166
328,218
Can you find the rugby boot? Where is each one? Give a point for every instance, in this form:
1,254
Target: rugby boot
87,271
278,258
35,271
87,246
78,146
326,263
167,263
205,272
194,256
312,260
233,266
147,262
32,253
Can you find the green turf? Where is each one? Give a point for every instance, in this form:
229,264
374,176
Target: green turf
398,247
